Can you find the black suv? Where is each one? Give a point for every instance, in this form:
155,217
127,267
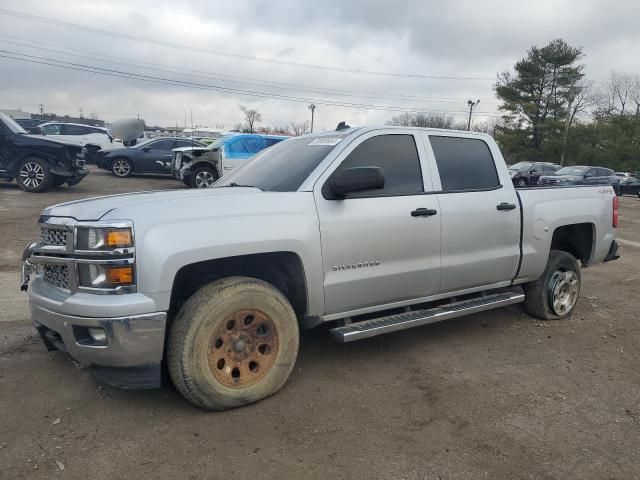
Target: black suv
37,163
528,173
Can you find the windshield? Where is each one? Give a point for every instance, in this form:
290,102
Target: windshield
571,171
11,124
521,166
284,166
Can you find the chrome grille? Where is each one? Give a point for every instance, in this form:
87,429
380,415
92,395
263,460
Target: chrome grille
56,275
53,236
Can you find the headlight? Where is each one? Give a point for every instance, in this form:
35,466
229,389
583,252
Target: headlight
94,275
104,238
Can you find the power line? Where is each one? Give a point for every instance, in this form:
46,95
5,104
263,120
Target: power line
173,82
251,81
240,56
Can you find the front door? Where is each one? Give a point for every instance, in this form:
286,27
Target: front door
377,247
156,157
480,216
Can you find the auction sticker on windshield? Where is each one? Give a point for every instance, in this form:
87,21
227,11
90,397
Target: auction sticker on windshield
323,141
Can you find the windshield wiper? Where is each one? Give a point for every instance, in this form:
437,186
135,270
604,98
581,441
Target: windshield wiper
234,184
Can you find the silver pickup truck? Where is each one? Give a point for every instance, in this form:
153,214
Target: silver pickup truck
373,230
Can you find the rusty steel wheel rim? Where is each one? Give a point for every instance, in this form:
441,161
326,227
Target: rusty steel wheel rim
243,349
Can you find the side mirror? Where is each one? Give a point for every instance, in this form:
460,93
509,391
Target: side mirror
356,179
146,149
533,171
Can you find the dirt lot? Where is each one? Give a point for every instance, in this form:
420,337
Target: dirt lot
495,395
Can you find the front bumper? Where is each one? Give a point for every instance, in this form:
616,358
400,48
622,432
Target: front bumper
131,356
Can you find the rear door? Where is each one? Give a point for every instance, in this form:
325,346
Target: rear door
480,213
375,251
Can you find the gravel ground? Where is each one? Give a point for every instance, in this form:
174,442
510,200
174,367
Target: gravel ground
494,395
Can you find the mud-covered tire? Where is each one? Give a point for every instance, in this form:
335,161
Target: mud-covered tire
34,175
195,339
540,295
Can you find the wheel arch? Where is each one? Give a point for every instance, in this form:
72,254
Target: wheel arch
284,270
576,239
204,163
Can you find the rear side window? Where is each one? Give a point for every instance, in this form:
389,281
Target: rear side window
464,164
254,145
272,141
237,146
604,172
397,156
162,145
74,130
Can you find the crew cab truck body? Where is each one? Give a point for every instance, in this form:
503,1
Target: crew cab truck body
371,229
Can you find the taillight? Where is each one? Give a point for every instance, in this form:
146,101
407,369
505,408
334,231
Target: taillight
615,210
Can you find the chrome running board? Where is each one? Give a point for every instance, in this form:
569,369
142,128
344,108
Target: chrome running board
416,318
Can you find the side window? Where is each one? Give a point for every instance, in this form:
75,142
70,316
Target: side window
254,145
272,141
162,145
591,172
397,156
464,164
549,168
605,172
185,143
51,129
237,146
74,130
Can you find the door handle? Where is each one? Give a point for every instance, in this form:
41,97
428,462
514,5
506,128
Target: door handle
423,212
506,206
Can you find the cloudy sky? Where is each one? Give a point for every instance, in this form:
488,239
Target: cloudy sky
208,57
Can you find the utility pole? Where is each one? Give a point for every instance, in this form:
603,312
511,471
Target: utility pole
41,112
472,105
81,112
572,96
312,107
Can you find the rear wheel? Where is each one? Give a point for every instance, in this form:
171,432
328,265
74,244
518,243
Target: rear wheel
121,167
34,175
234,342
203,177
555,294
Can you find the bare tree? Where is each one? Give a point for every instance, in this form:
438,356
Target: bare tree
251,116
299,128
426,120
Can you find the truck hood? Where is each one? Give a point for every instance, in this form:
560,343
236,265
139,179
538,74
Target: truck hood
92,209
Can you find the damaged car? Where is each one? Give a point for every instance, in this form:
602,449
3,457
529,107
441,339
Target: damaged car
202,167
35,162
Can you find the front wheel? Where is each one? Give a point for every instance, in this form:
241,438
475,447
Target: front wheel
121,167
34,175
555,294
203,177
234,342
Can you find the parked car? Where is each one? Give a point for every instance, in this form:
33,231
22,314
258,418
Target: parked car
624,177
528,173
202,167
37,163
79,133
582,175
631,187
151,156
370,230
